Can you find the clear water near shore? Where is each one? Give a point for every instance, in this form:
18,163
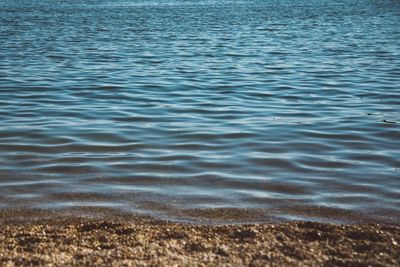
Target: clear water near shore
169,107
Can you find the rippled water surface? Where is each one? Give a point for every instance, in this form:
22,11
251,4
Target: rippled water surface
174,108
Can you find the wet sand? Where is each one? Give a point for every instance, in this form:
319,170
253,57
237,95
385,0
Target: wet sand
37,238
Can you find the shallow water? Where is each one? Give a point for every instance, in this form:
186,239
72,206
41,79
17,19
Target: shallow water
176,108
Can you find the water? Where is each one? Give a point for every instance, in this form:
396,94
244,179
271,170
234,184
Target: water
188,109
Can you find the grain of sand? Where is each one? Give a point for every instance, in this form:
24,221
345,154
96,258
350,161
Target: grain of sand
77,241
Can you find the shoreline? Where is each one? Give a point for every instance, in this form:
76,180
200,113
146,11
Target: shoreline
207,216
142,241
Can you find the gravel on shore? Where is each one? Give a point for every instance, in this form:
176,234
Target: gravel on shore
145,242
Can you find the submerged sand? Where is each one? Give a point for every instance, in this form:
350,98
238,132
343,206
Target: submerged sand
61,241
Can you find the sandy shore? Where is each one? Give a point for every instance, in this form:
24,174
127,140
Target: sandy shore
60,241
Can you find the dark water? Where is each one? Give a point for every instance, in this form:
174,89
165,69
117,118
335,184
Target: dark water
176,108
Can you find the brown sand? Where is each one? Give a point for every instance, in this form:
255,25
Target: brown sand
59,241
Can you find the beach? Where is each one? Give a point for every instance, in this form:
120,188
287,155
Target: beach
199,133
59,240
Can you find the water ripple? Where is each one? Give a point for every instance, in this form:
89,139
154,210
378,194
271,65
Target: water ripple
177,107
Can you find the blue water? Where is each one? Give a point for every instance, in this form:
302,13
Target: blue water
176,108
